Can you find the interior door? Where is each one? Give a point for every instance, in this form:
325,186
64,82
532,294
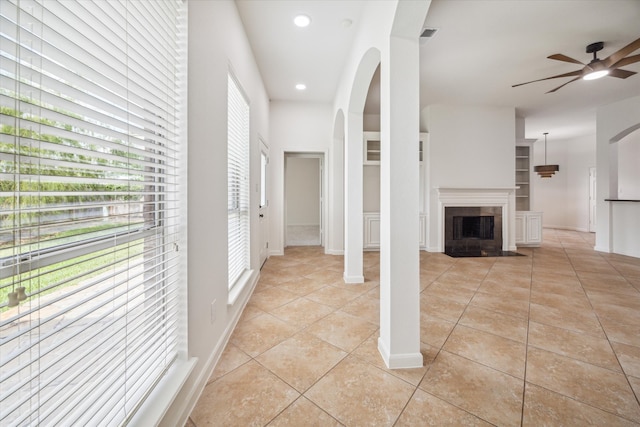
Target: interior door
263,210
592,199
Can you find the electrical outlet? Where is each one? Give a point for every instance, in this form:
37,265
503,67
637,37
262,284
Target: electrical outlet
213,311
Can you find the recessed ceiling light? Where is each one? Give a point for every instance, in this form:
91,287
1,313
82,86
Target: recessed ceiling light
302,20
301,86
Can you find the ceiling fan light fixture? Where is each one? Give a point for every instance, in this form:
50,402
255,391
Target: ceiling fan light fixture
595,75
596,68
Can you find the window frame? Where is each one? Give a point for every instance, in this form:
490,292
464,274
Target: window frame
157,221
238,186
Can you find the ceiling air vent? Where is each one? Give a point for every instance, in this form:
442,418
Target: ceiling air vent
428,32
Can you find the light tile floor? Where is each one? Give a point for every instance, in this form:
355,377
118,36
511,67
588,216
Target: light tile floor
550,338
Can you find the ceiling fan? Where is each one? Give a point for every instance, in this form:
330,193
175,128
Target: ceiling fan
597,68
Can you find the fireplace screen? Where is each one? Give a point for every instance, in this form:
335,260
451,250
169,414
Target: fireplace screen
473,227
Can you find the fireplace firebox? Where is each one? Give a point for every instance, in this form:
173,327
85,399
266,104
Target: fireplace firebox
473,227
473,231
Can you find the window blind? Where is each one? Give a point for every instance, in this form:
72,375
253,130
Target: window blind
89,199
237,181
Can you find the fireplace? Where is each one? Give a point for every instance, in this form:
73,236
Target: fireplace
473,231
497,202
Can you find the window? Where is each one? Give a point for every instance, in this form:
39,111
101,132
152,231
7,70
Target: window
238,181
89,199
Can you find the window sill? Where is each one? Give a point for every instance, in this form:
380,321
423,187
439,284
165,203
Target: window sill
160,399
239,286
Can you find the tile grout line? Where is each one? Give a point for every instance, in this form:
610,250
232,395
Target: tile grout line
441,349
604,331
526,343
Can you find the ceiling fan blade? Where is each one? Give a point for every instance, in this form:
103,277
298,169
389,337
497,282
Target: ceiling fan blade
571,74
565,58
621,74
617,56
572,80
626,61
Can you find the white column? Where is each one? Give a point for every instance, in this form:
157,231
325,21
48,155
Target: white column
399,342
353,239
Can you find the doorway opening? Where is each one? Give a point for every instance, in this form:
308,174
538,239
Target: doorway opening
304,199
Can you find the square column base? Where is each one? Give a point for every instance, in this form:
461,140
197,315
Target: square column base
399,361
352,279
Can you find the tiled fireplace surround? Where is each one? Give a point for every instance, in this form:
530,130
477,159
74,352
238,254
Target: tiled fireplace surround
502,198
472,230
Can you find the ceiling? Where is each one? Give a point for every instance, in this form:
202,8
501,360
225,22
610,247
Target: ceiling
287,55
480,50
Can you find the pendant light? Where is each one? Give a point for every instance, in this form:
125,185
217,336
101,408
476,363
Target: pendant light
546,171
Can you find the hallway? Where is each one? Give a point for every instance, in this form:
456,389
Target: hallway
550,338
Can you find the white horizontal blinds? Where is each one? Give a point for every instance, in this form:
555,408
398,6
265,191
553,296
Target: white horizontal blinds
238,180
89,199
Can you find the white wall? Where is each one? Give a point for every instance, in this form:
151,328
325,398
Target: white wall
549,193
582,157
617,227
295,127
216,42
469,147
373,30
371,173
371,188
302,186
371,122
334,237
629,166
564,198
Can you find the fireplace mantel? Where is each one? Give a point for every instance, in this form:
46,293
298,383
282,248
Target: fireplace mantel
503,197
471,192
477,188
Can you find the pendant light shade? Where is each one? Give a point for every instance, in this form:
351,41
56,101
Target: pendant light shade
546,171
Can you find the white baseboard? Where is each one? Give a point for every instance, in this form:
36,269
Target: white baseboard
353,279
399,361
564,227
611,251
276,252
628,253
334,252
602,249
185,409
